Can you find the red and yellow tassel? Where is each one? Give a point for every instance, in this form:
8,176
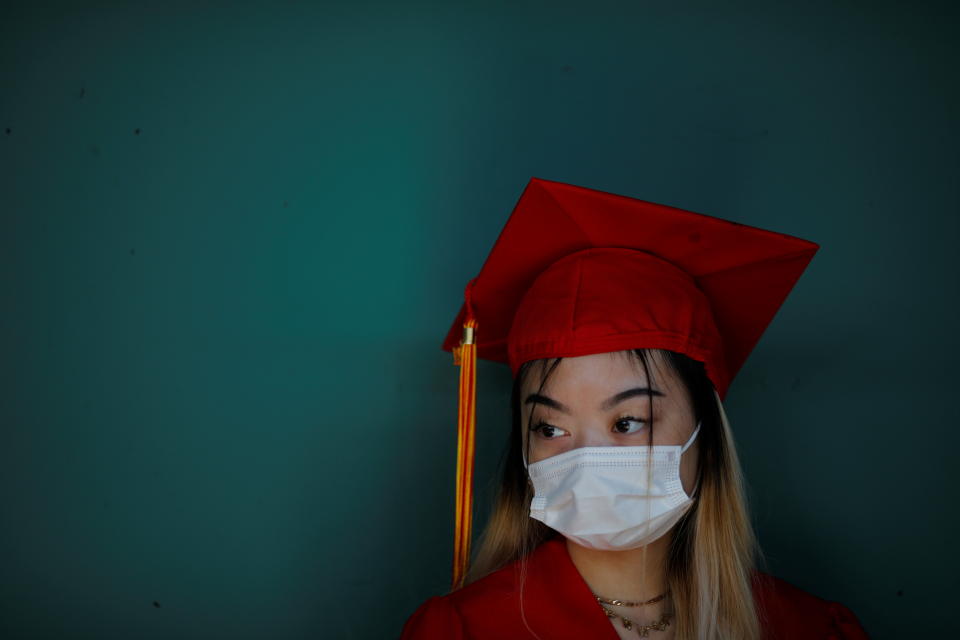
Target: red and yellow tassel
465,355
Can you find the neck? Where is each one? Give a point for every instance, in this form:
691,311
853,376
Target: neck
632,574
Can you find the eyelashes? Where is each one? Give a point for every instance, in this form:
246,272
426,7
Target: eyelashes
541,427
548,431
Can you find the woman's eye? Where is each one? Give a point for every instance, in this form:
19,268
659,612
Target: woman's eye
547,431
628,425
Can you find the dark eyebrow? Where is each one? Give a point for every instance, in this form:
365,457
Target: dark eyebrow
607,404
544,400
629,393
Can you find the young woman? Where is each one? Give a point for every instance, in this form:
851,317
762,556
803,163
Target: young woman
621,511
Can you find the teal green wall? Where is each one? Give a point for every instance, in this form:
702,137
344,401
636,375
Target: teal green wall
233,238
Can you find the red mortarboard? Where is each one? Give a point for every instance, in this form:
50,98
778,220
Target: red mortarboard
577,271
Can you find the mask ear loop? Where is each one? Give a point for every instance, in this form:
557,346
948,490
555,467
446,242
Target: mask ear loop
724,425
525,431
693,437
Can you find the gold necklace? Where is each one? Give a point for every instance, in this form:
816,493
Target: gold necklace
643,630
623,603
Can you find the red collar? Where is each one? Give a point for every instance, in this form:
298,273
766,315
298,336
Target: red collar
556,602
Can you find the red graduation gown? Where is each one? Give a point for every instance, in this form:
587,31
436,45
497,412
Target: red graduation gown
558,605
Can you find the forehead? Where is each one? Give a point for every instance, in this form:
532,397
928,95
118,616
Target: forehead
599,372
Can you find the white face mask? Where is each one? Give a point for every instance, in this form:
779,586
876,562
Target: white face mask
599,497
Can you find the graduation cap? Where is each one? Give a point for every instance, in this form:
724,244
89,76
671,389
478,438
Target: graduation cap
577,271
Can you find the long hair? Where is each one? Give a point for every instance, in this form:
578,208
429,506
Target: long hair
713,551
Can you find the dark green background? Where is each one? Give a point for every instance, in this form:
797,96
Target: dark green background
234,236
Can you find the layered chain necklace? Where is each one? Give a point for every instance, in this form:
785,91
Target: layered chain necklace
643,630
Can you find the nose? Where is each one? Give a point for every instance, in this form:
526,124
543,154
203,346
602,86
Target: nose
593,435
